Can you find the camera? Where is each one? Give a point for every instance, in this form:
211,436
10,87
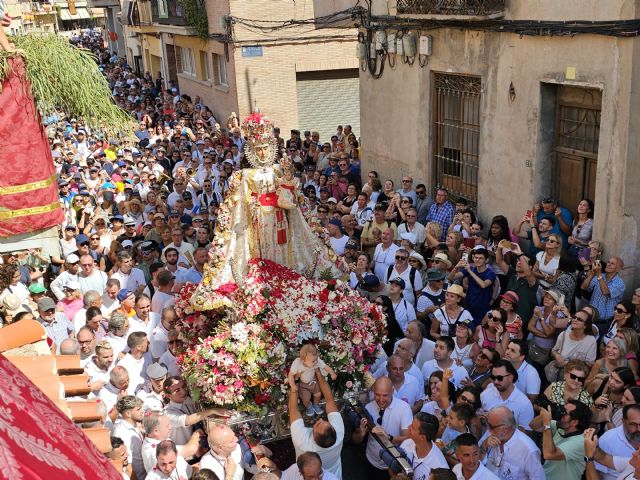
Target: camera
557,410
392,462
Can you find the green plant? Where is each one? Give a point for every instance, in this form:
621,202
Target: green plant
196,16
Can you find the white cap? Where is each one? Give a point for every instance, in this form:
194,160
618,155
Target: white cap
72,258
127,243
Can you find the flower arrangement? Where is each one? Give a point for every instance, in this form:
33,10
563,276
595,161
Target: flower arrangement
238,356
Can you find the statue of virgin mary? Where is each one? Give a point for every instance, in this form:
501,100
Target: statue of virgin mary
260,218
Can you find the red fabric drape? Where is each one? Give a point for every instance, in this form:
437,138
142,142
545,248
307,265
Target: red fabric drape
28,187
37,441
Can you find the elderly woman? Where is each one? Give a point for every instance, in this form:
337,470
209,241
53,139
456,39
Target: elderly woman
572,387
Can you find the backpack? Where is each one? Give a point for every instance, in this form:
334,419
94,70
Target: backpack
412,275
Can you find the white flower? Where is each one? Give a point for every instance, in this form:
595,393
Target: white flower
239,332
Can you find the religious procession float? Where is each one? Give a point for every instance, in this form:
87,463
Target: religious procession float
272,284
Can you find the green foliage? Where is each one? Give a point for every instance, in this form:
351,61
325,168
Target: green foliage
65,78
196,16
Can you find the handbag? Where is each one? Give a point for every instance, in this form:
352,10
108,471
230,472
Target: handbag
553,372
538,354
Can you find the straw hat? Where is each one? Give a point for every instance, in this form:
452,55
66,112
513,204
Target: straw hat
456,290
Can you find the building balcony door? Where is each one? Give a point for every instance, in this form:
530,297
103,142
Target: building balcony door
576,178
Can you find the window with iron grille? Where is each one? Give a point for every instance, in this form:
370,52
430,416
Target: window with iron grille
456,134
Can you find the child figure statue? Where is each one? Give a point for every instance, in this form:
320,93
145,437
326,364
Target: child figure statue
303,370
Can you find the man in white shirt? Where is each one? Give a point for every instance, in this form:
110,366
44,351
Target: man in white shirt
405,349
405,387
117,387
90,277
417,333
129,277
87,340
110,297
91,298
225,458
392,419
468,454
621,441
99,368
144,320
412,226
169,465
163,295
137,360
528,378
503,392
152,392
185,249
325,437
117,336
402,269
442,360
308,465
336,236
509,453
71,266
125,428
422,453
384,254
168,358
159,335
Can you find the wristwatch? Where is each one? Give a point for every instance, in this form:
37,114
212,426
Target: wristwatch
546,427
587,459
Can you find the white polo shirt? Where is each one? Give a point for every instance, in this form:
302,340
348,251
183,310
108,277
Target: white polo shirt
151,401
615,443
404,312
459,373
302,438
217,465
517,402
137,370
520,459
397,417
409,391
422,466
182,471
96,373
528,379
132,438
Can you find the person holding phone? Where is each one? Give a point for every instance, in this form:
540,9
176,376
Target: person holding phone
607,289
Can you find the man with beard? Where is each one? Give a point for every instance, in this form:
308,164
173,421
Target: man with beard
621,441
100,365
503,391
562,442
172,256
125,427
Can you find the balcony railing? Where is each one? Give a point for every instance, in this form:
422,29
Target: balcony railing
140,14
168,12
450,7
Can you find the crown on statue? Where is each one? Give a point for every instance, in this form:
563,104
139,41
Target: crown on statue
257,128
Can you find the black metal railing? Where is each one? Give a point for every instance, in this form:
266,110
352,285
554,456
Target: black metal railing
450,7
168,12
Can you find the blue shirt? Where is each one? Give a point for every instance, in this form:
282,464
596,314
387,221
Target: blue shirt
191,275
605,304
478,299
442,214
57,330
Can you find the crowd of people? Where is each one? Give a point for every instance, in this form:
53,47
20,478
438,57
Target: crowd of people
511,351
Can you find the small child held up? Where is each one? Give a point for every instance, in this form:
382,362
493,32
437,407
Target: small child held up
304,370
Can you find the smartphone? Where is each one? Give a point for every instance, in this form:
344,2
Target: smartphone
469,242
529,213
584,253
507,244
597,263
465,257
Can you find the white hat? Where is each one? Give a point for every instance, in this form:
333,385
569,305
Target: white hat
72,258
127,243
332,200
12,305
409,236
72,284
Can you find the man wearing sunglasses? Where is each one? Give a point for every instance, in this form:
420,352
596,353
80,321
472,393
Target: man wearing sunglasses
56,325
503,391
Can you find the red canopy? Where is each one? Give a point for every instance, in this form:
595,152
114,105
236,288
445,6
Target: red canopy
37,441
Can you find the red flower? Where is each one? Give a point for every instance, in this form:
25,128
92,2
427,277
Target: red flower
324,296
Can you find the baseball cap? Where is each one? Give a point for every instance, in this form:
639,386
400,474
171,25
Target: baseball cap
72,285
370,281
72,258
123,294
332,200
46,303
12,304
127,243
36,288
336,222
398,281
351,244
82,238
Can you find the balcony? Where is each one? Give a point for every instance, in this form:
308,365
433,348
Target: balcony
136,13
35,8
168,12
476,8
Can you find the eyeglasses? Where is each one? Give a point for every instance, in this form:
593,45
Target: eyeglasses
84,342
400,257
576,377
405,201
95,238
50,311
406,181
499,378
86,264
621,311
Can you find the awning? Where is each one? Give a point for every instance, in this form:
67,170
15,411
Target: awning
81,13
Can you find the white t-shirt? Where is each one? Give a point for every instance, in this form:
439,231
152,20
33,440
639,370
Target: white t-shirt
338,244
459,373
182,471
482,473
404,313
161,300
447,323
422,466
302,438
397,417
517,402
307,374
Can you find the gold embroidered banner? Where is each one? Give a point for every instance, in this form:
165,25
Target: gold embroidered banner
27,187
23,212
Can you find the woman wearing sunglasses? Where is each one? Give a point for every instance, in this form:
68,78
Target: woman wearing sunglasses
622,318
572,387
